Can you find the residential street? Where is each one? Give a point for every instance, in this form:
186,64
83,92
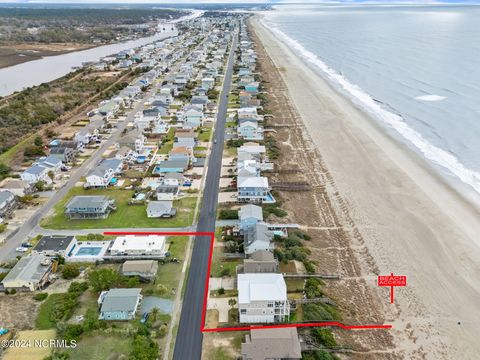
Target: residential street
188,344
31,226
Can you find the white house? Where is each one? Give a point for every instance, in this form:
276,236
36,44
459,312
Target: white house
262,298
253,189
36,173
145,245
104,173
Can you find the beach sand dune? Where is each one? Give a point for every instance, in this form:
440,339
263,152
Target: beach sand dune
411,222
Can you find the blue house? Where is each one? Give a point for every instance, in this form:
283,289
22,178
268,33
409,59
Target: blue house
249,215
119,304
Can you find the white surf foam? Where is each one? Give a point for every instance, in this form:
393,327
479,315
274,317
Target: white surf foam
435,154
430,98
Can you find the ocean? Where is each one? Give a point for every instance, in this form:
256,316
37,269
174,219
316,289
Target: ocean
415,69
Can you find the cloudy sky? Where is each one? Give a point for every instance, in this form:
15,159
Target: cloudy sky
240,1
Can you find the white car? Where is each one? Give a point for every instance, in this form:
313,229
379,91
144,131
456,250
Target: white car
21,249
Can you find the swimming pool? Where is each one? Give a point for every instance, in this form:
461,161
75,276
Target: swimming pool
89,250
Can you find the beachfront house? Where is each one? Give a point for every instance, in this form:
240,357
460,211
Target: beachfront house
249,215
257,238
254,189
119,304
89,207
260,261
250,130
262,298
281,343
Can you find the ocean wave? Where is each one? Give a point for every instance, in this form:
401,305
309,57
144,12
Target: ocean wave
431,97
433,153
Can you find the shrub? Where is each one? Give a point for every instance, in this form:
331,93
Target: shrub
40,296
161,290
324,336
104,279
226,214
221,291
70,271
225,272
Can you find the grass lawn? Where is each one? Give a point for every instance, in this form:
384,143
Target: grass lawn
165,148
220,264
204,134
126,216
43,321
230,124
169,274
295,285
101,347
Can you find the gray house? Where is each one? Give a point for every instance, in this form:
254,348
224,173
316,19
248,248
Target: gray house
89,207
260,262
53,245
161,209
272,344
145,269
7,203
119,304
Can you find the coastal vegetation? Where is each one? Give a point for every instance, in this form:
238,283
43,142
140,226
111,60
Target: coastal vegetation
76,25
51,103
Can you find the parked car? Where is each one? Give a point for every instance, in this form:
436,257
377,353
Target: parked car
26,245
21,249
144,317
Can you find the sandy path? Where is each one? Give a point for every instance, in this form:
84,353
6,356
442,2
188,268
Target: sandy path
411,222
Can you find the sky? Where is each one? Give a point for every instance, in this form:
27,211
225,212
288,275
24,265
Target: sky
243,1
247,1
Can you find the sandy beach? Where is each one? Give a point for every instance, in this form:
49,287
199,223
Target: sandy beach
408,220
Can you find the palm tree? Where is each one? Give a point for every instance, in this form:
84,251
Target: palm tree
154,314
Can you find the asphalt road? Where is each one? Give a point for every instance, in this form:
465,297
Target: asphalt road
188,345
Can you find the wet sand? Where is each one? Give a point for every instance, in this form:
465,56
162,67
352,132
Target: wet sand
404,218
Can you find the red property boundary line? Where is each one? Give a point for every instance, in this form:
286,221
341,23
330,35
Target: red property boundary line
207,282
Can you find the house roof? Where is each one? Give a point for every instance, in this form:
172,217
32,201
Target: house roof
53,243
261,287
141,266
172,175
181,163
134,242
258,232
88,201
261,255
29,269
120,300
252,181
35,169
160,206
105,166
281,343
5,195
252,148
250,211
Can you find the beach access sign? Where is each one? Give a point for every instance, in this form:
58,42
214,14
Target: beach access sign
392,281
